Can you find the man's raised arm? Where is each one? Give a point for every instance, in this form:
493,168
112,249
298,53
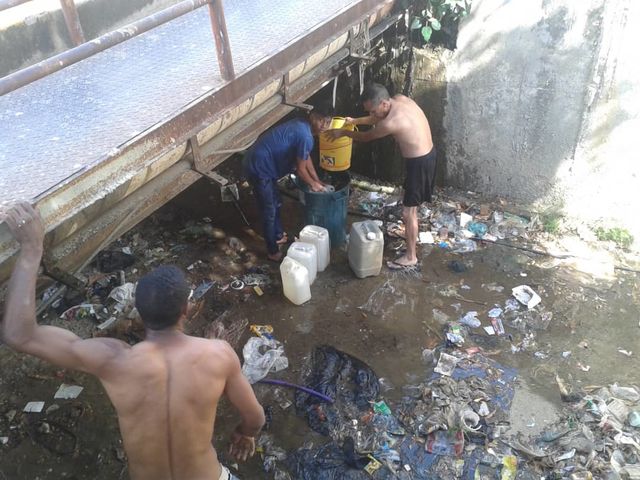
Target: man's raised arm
19,328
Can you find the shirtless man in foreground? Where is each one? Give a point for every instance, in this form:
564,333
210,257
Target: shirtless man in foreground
404,119
165,389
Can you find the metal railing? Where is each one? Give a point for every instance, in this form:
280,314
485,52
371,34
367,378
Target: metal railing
84,49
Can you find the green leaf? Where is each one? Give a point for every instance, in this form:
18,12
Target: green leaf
426,33
416,23
435,24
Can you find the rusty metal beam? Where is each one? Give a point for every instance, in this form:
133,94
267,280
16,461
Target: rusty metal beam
6,4
151,162
221,37
71,18
58,62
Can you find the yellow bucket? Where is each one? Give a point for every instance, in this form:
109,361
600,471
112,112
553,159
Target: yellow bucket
335,155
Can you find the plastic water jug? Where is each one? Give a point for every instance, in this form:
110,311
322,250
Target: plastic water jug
307,255
319,236
295,281
366,245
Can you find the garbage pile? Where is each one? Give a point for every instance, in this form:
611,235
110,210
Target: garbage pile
220,268
600,438
448,223
449,426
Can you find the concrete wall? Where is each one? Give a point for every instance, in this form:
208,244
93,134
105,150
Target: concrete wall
543,103
36,30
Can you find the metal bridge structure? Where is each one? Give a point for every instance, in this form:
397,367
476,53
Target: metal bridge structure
100,136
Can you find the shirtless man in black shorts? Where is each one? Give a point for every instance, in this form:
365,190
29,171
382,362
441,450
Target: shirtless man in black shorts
165,389
404,119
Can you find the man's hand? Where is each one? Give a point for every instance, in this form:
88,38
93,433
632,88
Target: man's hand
349,120
26,225
316,187
336,133
242,446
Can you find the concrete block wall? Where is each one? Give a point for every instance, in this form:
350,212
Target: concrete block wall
543,100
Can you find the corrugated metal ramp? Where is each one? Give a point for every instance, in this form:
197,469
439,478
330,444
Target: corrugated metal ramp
88,140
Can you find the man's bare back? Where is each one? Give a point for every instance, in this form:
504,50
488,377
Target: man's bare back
165,389
409,126
166,392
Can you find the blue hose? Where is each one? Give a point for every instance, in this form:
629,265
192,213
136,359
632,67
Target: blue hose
299,387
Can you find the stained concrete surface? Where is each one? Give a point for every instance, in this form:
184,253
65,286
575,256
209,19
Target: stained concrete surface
542,105
386,321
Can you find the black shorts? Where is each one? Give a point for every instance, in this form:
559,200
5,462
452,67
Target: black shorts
420,180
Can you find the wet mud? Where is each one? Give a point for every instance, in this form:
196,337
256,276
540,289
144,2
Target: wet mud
387,321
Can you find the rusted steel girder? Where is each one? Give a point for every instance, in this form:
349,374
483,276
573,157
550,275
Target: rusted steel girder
220,35
71,18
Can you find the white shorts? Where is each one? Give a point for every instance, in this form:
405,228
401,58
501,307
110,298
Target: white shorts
225,474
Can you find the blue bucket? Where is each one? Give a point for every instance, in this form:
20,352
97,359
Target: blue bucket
328,210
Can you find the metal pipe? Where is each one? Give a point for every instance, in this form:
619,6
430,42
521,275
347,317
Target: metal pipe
58,62
223,47
72,20
6,4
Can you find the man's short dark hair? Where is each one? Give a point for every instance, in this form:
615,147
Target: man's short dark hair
161,297
324,109
374,93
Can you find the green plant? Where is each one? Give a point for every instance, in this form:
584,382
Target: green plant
429,15
619,236
551,222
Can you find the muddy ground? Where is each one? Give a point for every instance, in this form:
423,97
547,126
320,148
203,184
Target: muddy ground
387,321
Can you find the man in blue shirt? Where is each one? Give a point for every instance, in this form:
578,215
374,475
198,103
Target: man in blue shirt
278,152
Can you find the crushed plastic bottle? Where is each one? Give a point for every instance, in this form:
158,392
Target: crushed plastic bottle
470,319
629,394
464,246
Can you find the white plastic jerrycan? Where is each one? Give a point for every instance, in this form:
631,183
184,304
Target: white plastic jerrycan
295,281
319,236
307,255
366,246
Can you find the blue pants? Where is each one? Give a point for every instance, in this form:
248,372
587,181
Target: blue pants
269,203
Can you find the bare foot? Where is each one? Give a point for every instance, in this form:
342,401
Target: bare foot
275,257
283,239
402,262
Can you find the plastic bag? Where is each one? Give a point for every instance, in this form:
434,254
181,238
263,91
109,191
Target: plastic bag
261,356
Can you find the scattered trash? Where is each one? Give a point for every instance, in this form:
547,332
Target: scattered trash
426,238
525,295
584,368
496,323
625,352
78,312
261,356
478,229
201,290
68,391
470,319
33,407
494,312
489,330
446,364
454,335
124,296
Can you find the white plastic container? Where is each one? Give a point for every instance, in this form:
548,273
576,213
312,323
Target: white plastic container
307,255
366,245
319,236
295,281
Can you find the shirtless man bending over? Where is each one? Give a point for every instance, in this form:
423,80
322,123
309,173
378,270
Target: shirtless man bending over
165,389
404,119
